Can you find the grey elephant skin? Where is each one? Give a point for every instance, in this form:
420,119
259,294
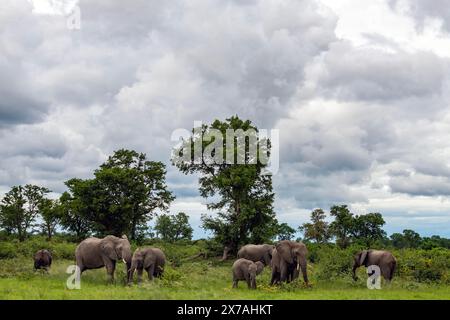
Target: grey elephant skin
151,260
95,253
287,259
257,252
247,270
381,258
42,259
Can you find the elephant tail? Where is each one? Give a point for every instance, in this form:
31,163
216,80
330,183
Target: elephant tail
393,268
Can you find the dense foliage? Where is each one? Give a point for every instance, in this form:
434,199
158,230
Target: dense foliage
173,227
239,191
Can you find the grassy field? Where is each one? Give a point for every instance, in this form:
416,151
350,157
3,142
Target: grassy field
197,279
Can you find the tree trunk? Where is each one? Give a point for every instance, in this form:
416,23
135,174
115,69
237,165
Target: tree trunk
226,250
49,232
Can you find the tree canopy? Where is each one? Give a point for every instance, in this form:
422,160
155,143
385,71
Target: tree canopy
123,196
173,227
233,179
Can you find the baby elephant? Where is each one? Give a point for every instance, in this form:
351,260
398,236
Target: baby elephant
150,259
42,260
247,270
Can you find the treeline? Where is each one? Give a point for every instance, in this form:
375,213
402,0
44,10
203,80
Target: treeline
127,191
121,198
363,230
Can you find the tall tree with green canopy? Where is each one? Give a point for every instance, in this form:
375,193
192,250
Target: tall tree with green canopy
367,228
50,212
73,216
233,176
124,194
342,226
173,227
20,207
285,232
318,229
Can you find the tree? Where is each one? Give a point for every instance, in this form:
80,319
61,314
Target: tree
73,217
435,241
285,232
412,238
342,226
409,239
317,229
232,176
368,228
20,207
123,195
50,211
173,228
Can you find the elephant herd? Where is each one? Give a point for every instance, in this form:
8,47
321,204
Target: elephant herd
95,253
285,259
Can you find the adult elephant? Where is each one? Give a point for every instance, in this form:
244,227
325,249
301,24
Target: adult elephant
95,253
150,259
381,258
257,252
287,258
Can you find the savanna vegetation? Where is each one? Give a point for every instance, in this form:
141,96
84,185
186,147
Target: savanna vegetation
128,190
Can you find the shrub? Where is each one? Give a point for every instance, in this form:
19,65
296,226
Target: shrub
333,263
7,250
423,265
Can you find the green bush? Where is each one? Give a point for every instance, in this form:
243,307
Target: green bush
333,263
7,250
423,265
15,249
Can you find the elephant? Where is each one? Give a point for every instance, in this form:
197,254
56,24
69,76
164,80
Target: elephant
287,258
95,253
150,259
247,270
42,260
254,252
383,259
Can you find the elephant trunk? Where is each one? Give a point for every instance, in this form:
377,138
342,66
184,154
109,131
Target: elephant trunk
302,263
131,267
355,266
129,274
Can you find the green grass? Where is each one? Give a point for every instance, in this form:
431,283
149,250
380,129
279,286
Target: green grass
199,279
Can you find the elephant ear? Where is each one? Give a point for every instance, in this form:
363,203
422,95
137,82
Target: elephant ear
363,257
259,267
284,250
108,249
148,258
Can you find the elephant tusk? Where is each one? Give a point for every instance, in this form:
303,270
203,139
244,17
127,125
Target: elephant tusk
124,261
298,266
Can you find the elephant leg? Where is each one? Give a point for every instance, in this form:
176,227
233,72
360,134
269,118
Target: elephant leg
110,268
275,277
235,283
249,284
284,273
139,274
150,271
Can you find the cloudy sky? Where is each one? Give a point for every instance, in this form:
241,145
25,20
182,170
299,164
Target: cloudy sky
358,89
